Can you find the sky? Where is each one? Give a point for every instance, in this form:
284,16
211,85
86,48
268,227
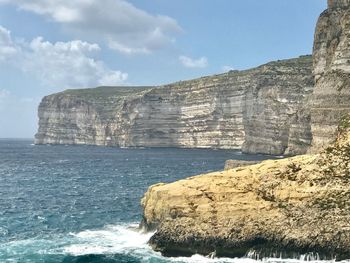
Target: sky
47,46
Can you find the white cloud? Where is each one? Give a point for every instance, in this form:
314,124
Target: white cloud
120,24
125,49
7,47
62,64
194,63
69,64
112,78
227,68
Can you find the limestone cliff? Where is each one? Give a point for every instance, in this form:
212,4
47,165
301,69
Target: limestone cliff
277,208
89,116
257,110
331,97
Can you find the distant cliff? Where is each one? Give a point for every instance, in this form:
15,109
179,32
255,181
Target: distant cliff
257,110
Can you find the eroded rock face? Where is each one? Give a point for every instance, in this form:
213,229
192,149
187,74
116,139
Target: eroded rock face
257,110
331,97
289,207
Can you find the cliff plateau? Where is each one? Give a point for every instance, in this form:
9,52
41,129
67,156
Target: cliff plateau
261,110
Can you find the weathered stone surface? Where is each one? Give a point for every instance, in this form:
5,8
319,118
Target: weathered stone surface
288,207
231,164
276,119
331,97
257,110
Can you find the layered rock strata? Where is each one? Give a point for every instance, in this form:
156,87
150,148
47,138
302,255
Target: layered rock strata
256,110
331,97
278,208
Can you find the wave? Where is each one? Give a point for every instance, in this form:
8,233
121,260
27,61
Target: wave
111,240
113,243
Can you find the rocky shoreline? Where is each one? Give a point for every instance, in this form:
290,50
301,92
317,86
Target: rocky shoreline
288,206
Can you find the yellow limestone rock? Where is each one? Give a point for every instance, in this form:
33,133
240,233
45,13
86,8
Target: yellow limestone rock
293,205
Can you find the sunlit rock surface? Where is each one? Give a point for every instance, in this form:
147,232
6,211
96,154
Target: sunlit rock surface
281,207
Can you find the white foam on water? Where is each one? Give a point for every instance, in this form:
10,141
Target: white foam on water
118,239
128,239
122,239
111,240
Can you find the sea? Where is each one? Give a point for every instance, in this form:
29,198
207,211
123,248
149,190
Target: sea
82,203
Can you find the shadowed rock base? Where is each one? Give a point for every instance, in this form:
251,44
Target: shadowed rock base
258,248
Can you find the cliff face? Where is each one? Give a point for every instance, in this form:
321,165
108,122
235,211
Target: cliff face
257,110
331,97
276,118
90,116
268,209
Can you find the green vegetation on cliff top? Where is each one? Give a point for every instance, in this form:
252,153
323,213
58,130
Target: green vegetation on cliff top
123,91
105,91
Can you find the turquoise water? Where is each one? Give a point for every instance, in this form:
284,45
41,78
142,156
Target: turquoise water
81,203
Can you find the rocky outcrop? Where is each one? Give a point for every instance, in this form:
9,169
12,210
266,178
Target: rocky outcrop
256,110
331,97
278,208
231,164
